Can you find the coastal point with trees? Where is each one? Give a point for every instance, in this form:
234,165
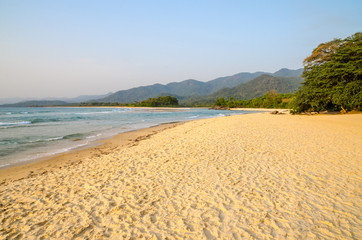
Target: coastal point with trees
332,82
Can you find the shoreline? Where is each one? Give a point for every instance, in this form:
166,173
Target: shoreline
23,168
92,144
43,164
54,152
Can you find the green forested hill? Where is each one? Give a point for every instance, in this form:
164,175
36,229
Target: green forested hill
285,72
260,86
257,87
231,81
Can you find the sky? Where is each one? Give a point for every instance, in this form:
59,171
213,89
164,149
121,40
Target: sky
69,48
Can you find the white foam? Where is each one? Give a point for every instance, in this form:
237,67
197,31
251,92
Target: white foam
94,136
6,124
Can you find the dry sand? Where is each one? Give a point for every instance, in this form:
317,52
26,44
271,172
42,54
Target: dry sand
255,176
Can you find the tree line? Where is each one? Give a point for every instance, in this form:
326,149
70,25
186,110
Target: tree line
271,99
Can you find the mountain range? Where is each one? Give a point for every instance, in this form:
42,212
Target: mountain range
243,85
185,88
191,89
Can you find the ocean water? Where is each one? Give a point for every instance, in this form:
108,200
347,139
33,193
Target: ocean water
30,133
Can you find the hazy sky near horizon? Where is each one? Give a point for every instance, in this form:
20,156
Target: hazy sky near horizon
70,48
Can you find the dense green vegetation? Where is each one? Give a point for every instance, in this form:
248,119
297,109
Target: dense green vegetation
270,100
260,86
166,101
332,77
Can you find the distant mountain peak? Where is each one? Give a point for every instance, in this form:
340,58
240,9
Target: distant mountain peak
285,72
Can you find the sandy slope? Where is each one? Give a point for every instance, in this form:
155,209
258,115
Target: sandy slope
256,176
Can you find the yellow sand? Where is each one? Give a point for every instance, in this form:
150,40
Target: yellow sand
256,176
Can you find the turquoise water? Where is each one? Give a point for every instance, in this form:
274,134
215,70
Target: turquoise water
30,133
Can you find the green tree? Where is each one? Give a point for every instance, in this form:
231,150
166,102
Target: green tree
271,99
166,101
332,77
221,102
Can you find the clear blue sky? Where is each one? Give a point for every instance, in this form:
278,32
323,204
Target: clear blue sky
69,48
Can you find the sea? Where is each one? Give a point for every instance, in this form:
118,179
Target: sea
27,134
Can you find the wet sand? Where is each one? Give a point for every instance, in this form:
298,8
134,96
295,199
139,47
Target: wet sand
253,176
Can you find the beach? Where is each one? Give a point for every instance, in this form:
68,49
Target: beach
252,176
